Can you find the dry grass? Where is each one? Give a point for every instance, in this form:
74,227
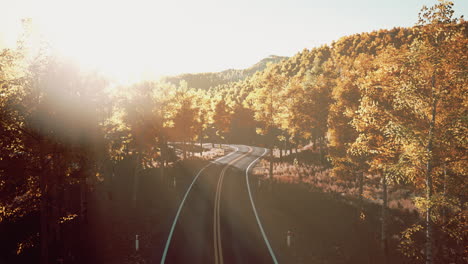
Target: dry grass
212,153
209,152
321,178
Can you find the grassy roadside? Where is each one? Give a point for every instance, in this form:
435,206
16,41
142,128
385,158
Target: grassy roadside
327,221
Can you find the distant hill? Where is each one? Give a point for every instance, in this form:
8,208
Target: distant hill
211,79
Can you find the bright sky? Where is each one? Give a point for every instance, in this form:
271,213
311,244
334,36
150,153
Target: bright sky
133,38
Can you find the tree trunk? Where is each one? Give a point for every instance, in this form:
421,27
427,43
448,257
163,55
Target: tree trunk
361,185
444,210
320,150
184,149
314,141
271,163
384,218
111,182
429,187
281,154
445,236
164,151
44,259
84,232
192,148
57,207
83,192
136,179
201,146
83,218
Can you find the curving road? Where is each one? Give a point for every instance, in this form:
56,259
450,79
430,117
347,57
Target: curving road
217,221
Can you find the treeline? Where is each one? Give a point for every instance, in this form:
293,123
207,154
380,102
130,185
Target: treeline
64,130
211,79
391,103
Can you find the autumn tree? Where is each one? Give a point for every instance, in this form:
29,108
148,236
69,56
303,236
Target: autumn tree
54,113
373,145
143,125
423,86
267,103
243,124
202,101
307,99
184,116
222,118
345,102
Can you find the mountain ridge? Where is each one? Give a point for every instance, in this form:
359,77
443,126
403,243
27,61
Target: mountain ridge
207,80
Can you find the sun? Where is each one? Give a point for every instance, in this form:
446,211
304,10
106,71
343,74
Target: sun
130,40
110,37
112,44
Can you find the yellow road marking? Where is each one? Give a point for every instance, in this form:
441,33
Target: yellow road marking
217,226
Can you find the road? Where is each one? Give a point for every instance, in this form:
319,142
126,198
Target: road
217,220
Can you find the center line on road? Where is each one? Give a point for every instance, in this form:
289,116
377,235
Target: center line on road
218,249
171,232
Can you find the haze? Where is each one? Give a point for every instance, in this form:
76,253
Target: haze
130,40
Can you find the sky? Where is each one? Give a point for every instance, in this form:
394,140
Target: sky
136,39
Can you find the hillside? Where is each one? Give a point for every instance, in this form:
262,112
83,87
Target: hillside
211,79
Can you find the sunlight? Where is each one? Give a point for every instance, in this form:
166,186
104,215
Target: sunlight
130,40
353,151
112,38
116,45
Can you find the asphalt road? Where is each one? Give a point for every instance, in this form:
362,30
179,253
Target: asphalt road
217,221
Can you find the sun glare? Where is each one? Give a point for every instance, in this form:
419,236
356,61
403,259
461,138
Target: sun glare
106,36
130,40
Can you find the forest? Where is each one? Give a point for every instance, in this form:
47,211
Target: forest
378,118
